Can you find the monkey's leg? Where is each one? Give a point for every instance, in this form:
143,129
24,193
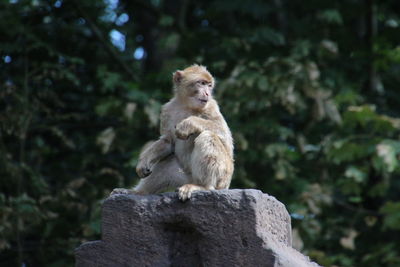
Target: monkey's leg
211,165
166,173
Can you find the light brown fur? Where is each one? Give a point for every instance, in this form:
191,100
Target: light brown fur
195,149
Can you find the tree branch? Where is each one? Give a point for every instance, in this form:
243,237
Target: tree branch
97,32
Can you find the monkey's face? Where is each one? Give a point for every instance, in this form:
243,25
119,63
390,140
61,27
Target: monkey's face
194,86
199,93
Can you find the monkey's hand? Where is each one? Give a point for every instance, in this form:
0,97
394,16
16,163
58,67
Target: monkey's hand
144,168
186,128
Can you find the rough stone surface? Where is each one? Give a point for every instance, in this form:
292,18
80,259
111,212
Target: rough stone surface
214,228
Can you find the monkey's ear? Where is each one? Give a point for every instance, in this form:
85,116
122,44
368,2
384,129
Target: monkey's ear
177,76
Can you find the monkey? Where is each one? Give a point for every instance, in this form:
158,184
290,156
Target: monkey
195,148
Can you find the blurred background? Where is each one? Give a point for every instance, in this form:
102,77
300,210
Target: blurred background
310,90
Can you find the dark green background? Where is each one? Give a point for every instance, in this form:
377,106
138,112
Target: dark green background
310,90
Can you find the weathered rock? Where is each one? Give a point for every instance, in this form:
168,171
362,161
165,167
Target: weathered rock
213,228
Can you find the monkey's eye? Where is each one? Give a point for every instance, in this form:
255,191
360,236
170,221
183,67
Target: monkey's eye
202,82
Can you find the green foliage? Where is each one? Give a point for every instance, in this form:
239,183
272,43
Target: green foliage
308,89
391,212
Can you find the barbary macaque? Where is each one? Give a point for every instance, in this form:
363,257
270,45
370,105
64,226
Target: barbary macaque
195,149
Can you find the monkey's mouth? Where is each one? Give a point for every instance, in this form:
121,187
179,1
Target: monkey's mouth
204,101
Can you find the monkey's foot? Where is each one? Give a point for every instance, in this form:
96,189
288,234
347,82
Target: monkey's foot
122,191
185,191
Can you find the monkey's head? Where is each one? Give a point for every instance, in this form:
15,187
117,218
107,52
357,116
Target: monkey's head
193,86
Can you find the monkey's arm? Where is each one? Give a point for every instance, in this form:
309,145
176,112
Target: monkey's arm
195,125
153,154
